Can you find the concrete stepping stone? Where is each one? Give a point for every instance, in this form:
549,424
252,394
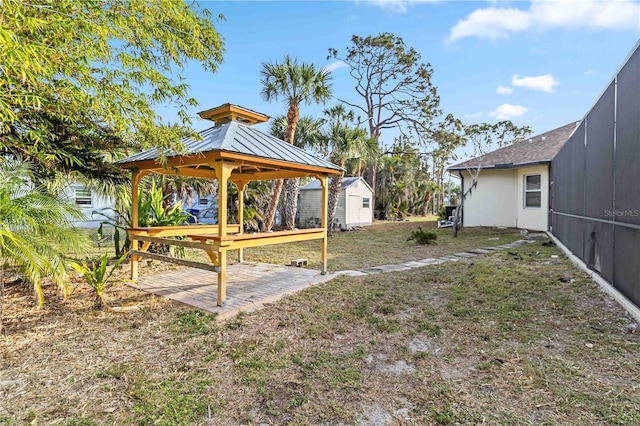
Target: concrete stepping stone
465,254
352,273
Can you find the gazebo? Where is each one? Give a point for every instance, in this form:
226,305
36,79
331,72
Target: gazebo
232,150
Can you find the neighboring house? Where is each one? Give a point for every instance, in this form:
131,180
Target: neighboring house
200,202
513,183
354,203
89,201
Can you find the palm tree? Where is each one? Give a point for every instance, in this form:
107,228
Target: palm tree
344,143
308,136
35,231
294,83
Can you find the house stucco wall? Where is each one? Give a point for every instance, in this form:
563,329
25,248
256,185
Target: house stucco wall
493,201
533,218
498,199
99,203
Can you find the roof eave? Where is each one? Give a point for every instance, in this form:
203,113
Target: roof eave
500,166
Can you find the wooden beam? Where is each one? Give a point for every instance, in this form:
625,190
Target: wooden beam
273,239
186,171
324,181
183,262
177,231
240,185
179,243
135,182
270,175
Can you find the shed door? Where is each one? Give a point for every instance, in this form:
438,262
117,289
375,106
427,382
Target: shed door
355,210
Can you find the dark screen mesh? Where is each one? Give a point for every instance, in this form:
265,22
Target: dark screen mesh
599,156
628,142
602,183
627,267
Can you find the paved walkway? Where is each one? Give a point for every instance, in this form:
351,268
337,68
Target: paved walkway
252,285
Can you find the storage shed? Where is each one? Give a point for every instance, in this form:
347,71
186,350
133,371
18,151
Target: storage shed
354,203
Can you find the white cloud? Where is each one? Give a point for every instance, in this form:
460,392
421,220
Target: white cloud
335,65
499,22
589,71
503,90
508,111
473,115
399,6
544,82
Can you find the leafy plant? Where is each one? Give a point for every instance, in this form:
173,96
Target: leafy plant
97,277
35,228
442,213
423,236
151,212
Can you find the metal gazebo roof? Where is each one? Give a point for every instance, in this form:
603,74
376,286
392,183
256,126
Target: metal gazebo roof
241,139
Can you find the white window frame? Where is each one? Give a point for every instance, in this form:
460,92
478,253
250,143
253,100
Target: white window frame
366,202
527,191
77,198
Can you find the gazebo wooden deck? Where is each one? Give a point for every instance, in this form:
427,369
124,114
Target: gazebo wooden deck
231,151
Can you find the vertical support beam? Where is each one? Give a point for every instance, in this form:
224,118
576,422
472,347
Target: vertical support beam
222,276
241,186
223,173
324,181
135,181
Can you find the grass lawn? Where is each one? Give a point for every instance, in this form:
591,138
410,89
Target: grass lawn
511,337
379,244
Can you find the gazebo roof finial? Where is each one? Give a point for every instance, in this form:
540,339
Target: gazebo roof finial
228,112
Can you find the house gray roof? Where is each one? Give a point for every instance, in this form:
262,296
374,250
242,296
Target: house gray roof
535,150
238,138
346,182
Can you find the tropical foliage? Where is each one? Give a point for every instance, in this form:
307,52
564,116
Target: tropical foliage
294,83
35,228
98,278
343,141
108,65
152,211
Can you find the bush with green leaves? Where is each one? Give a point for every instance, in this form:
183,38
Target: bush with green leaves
423,236
151,212
35,228
98,278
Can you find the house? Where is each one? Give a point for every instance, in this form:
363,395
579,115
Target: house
354,203
512,187
88,201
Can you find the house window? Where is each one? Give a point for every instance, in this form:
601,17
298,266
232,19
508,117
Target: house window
365,202
203,201
533,191
83,196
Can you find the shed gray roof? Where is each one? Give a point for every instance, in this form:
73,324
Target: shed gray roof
238,138
346,182
535,150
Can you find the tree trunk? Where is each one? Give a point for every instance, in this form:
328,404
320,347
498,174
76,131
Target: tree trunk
273,205
293,115
372,184
291,189
334,193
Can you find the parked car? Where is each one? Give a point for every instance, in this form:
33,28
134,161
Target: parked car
208,216
193,214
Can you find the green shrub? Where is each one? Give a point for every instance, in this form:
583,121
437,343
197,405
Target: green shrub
423,236
442,213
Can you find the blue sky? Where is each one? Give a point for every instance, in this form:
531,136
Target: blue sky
541,64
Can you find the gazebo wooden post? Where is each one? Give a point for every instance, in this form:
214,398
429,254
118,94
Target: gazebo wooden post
324,181
135,181
223,173
240,185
